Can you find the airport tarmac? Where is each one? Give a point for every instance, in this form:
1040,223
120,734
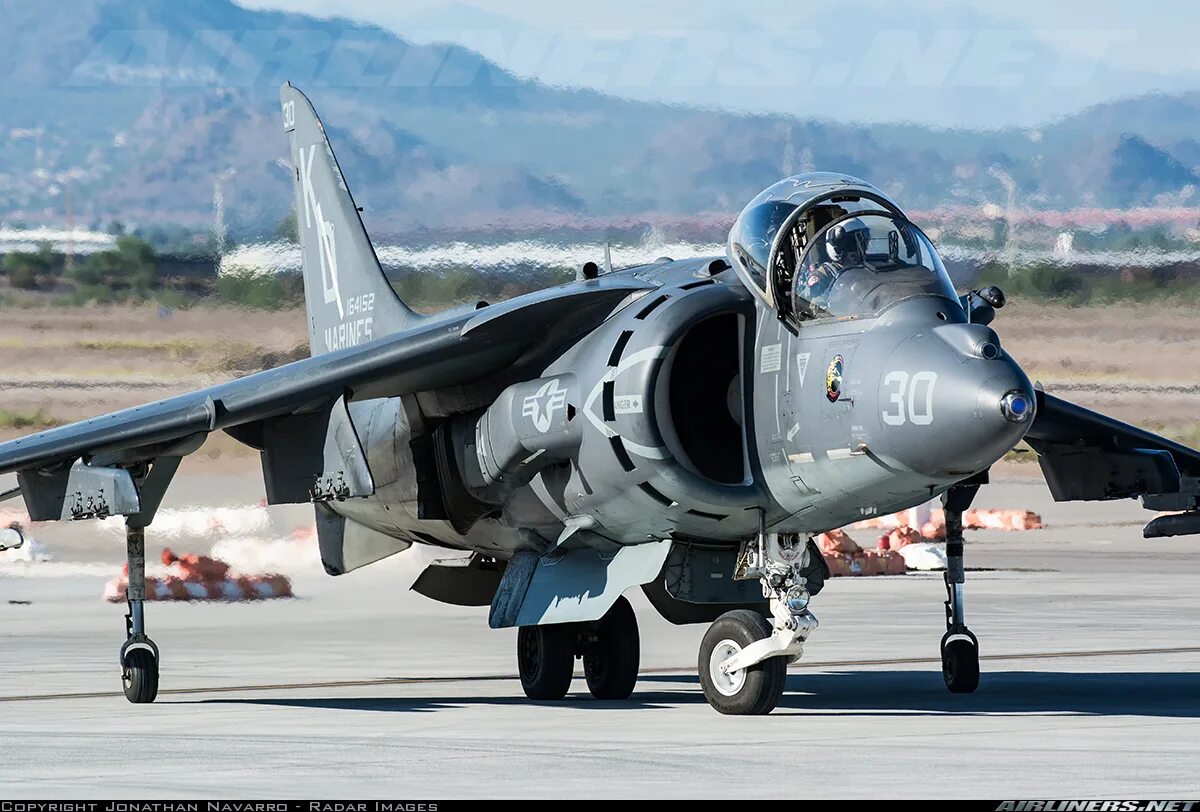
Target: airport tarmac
358,688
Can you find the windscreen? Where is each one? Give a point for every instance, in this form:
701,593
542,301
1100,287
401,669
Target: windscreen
752,235
859,265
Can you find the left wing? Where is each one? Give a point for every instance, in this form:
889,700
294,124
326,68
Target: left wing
1089,456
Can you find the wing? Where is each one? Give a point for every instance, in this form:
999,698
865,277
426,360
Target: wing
438,352
1086,455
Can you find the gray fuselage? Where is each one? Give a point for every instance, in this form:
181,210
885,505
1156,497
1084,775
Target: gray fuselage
684,412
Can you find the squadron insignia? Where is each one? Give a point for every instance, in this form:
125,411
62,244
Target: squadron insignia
833,378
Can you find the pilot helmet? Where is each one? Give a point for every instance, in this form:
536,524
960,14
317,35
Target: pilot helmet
847,240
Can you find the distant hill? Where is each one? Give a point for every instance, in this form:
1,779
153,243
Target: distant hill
143,107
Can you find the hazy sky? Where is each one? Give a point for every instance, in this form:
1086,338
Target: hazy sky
980,64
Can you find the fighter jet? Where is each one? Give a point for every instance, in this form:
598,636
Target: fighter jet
685,426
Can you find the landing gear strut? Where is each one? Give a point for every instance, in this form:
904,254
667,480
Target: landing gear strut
139,654
609,647
960,648
743,657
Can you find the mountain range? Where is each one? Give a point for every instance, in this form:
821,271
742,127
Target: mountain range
150,111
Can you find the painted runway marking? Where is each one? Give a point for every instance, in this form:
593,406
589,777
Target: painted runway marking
682,670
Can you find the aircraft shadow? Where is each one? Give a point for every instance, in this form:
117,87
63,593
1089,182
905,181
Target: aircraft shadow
918,693
871,693
421,704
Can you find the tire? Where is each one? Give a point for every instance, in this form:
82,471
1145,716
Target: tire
546,660
139,674
611,663
753,691
960,666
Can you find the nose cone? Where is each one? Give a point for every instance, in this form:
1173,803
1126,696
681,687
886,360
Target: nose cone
952,402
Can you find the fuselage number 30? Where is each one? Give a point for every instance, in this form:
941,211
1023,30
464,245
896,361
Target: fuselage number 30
910,398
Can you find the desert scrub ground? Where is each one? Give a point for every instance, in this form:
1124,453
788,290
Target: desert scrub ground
1113,343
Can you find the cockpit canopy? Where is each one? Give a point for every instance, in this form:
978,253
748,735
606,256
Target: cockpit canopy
824,245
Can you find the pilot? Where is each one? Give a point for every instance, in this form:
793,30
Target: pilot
845,247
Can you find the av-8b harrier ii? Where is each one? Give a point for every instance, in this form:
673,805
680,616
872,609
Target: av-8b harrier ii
685,427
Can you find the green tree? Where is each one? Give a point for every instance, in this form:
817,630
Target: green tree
20,274
261,291
288,230
26,269
132,266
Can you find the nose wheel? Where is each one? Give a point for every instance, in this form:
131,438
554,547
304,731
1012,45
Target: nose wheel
751,691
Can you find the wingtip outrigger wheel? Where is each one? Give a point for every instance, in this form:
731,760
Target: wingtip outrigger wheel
139,654
960,647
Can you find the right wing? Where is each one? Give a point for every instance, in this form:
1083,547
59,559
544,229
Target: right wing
436,353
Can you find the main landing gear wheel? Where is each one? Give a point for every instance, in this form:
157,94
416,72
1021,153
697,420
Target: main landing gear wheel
610,661
139,674
546,660
749,691
960,665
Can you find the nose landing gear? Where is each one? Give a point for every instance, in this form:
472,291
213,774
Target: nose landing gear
750,691
960,648
743,658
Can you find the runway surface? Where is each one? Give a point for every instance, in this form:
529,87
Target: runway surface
1090,637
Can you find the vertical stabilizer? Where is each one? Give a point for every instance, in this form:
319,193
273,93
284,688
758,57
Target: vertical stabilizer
349,300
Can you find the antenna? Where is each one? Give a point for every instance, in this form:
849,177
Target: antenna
607,258
70,261
219,228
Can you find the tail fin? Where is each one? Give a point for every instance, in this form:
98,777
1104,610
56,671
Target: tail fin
349,299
